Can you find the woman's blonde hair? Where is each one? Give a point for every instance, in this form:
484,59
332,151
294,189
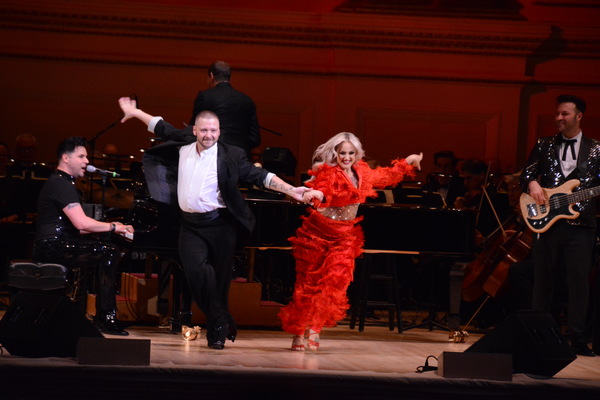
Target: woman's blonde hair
327,152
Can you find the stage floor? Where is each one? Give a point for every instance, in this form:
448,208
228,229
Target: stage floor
376,363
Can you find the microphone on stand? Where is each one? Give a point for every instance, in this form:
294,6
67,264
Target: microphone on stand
112,174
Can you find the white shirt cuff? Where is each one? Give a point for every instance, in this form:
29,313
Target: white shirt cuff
152,123
267,181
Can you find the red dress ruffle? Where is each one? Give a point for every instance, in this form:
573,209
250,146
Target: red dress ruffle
325,249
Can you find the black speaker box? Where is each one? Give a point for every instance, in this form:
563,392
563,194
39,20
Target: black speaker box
101,351
279,160
496,367
535,341
41,324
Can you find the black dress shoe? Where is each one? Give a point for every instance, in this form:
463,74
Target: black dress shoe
217,339
232,334
108,324
582,349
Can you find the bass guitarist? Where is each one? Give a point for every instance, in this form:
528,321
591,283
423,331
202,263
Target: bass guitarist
568,243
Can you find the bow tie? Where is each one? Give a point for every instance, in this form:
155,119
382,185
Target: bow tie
568,143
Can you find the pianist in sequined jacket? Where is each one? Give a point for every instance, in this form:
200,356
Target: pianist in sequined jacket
568,243
329,240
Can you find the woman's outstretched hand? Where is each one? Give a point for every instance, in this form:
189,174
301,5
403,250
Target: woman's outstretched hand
415,160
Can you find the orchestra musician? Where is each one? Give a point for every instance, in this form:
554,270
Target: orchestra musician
329,240
62,224
445,180
493,207
553,161
201,175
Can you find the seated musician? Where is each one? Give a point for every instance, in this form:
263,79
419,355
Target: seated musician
25,164
493,207
62,224
445,180
7,214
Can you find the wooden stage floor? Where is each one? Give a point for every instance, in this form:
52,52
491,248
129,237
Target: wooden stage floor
377,363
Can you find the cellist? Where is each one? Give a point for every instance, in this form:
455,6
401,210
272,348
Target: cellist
475,174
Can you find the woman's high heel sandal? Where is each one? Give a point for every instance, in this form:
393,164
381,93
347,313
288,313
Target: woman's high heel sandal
298,343
313,340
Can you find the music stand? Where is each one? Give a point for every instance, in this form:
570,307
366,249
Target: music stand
431,321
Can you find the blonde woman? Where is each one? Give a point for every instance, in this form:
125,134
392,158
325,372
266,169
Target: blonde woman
330,238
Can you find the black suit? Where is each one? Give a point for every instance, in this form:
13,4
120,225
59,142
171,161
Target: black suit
206,240
236,112
567,244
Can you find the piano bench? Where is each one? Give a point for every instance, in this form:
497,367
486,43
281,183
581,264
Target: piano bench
252,257
27,275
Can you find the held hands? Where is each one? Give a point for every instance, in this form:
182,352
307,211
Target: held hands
415,160
297,193
312,194
305,195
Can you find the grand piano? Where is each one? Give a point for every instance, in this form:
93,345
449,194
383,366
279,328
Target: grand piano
406,227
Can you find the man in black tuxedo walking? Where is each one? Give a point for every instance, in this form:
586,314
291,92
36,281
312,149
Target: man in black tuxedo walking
201,175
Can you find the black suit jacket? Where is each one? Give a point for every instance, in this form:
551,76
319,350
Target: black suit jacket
161,164
236,112
543,165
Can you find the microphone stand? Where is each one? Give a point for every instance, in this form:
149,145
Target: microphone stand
92,143
269,130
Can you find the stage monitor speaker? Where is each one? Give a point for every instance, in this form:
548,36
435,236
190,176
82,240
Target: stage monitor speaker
101,351
39,324
279,160
535,341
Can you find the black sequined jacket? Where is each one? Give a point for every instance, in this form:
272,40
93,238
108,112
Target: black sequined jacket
543,165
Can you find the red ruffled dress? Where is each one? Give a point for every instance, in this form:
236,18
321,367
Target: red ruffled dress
325,248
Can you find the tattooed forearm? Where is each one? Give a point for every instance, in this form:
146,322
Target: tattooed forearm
72,205
280,186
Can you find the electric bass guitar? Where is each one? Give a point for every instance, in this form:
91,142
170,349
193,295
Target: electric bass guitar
559,204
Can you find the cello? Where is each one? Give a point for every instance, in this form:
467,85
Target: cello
488,274
479,269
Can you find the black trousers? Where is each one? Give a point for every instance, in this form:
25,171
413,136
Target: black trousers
571,247
206,249
87,255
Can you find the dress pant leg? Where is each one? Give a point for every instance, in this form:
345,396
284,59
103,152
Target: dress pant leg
199,275
222,246
578,250
86,255
206,252
545,265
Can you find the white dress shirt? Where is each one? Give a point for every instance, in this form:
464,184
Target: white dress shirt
570,163
197,181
